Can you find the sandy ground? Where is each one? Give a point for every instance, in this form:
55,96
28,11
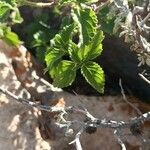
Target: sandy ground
19,126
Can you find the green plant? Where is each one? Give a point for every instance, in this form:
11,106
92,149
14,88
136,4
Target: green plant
75,46
9,15
81,53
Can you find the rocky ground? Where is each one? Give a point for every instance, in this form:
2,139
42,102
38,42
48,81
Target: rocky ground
21,126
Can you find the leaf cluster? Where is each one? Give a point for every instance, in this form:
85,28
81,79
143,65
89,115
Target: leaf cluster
75,47
9,14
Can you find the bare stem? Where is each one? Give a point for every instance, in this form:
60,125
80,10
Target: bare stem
36,4
144,78
145,19
126,100
92,121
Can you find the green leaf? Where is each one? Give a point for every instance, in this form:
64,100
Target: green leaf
66,74
94,75
94,49
4,10
52,56
53,70
9,36
40,39
87,22
38,32
40,53
12,38
87,52
59,46
67,20
107,22
61,41
16,17
74,52
10,1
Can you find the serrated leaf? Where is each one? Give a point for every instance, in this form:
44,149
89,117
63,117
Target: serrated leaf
61,41
53,69
66,74
87,22
74,52
94,75
52,56
87,52
59,46
94,49
4,10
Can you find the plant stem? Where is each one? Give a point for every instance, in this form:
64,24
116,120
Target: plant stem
36,4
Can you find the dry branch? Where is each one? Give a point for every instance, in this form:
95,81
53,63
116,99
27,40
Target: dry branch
135,28
93,122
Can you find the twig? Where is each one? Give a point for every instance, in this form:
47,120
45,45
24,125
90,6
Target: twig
125,98
30,103
117,134
134,27
144,78
77,140
91,120
101,6
145,19
36,4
